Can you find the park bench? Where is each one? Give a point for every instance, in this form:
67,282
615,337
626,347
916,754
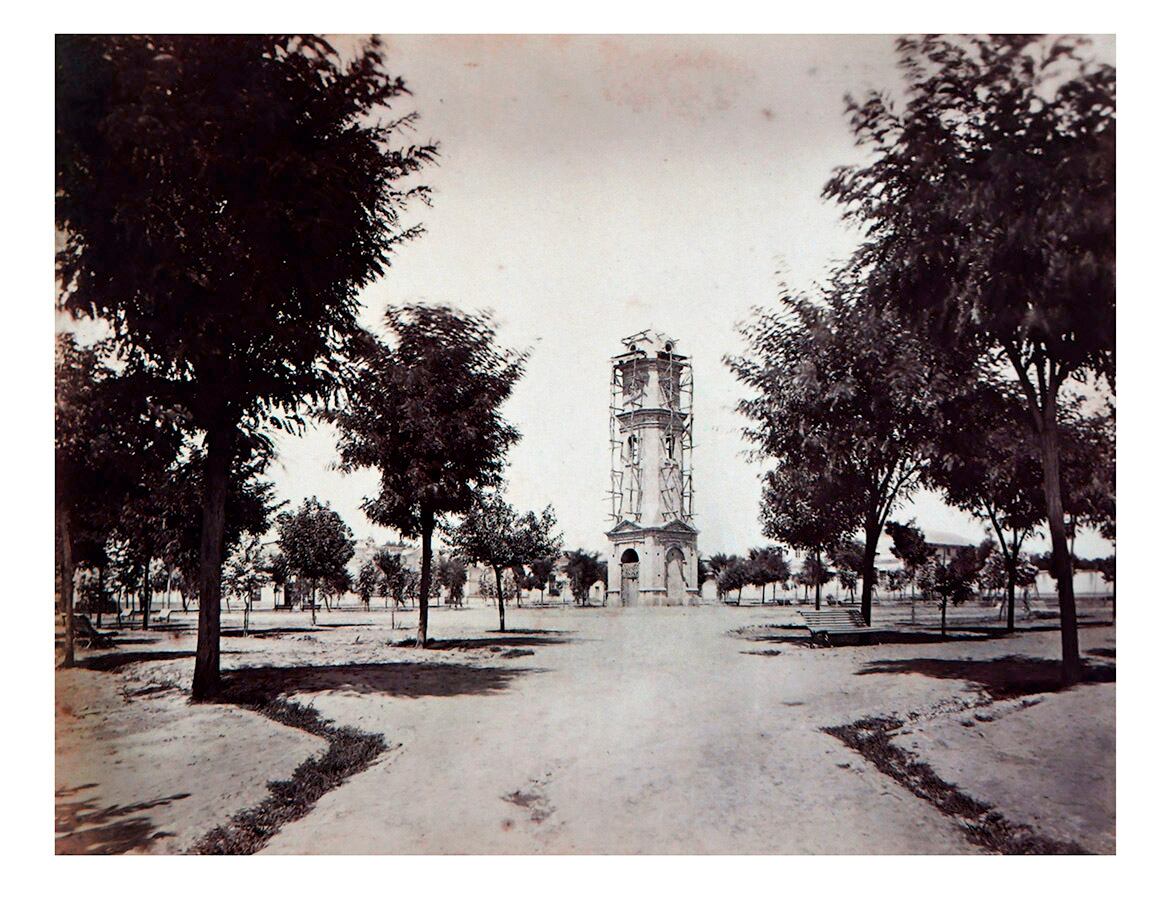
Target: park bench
87,635
825,625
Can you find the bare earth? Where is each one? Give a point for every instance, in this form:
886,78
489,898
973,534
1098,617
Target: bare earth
584,731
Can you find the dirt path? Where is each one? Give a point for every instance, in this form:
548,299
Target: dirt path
632,732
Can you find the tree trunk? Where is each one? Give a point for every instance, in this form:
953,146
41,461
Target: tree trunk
500,598
146,602
869,571
426,576
67,572
99,595
1060,556
220,442
313,600
943,616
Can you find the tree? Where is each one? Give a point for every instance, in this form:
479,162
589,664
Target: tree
814,574
807,508
113,445
496,535
245,572
394,579
909,546
717,564
841,389
424,414
849,560
988,209
988,465
541,573
223,200
584,569
365,585
949,582
734,577
317,545
452,574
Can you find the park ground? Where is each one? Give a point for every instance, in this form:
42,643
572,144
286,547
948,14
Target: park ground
707,729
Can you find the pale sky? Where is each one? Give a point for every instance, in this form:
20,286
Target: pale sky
591,187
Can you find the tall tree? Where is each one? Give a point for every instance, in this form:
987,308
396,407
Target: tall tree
584,570
494,534
452,574
245,572
317,545
989,211
424,413
717,564
841,389
223,201
366,582
987,464
848,559
808,509
113,446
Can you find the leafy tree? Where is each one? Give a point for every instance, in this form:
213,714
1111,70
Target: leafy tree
988,465
317,545
495,534
734,577
245,572
365,585
424,414
394,579
814,574
452,574
113,442
584,569
897,580
949,582
223,200
807,508
849,560
909,546
541,573
717,564
988,206
841,390
1088,480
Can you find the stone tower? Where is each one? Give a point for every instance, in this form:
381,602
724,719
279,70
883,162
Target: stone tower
653,544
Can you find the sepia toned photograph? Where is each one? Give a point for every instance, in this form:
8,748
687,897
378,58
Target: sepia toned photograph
584,445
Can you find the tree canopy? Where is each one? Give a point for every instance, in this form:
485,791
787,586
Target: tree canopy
222,202
493,533
848,398
422,409
988,206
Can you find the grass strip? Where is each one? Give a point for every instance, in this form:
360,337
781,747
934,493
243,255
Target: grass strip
982,825
350,751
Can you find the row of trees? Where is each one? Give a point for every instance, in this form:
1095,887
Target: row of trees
221,204
968,344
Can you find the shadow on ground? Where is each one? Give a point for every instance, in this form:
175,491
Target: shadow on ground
1005,677
87,829
107,663
494,643
253,685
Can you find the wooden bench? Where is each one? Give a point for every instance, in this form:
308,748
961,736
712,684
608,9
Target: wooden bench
88,636
824,625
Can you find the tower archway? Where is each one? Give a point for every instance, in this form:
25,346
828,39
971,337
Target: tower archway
630,574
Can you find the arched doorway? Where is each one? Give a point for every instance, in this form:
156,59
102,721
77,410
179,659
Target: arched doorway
630,572
675,576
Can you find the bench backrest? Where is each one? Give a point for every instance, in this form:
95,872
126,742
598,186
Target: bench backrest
833,618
